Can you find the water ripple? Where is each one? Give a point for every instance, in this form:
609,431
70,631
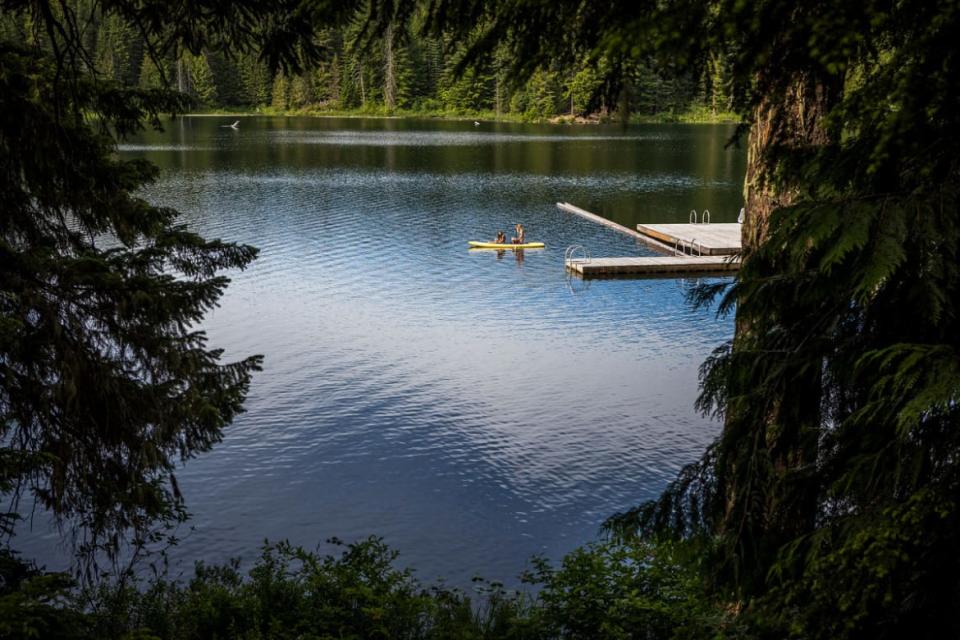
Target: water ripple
473,407
442,139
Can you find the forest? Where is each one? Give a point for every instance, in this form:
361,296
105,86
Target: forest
402,71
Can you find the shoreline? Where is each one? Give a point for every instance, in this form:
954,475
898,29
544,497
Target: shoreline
687,117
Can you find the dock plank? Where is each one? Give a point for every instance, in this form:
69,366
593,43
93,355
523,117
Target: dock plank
720,238
646,265
636,235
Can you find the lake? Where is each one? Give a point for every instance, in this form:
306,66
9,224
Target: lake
473,408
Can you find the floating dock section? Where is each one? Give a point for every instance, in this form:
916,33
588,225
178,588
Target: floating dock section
688,249
652,266
720,239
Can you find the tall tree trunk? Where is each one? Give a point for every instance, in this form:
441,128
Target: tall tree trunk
784,124
363,94
335,80
713,74
499,60
624,101
791,122
389,76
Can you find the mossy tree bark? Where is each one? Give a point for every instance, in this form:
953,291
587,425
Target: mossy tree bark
787,129
784,128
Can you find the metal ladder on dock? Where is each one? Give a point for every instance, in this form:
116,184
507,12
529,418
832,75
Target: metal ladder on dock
569,256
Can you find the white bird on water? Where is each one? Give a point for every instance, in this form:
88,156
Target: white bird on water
476,124
235,125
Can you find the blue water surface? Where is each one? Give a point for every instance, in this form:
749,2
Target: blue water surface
472,407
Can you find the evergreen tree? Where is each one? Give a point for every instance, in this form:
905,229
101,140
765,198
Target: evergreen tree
152,74
327,75
501,82
106,383
828,506
718,81
227,80
545,95
280,94
406,73
471,90
118,50
255,80
301,91
201,81
389,68
582,89
359,82
326,82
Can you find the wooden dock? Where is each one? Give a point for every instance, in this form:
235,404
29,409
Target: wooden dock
712,239
671,266
689,249
636,235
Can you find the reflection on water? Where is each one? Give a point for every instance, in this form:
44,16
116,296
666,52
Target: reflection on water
473,407
433,138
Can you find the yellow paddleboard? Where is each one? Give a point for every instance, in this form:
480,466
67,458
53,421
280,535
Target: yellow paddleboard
493,245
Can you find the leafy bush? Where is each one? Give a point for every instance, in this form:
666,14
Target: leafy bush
293,593
604,591
34,604
620,591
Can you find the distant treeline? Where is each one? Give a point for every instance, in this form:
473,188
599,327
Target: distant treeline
398,71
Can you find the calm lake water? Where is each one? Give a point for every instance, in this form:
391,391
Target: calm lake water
472,408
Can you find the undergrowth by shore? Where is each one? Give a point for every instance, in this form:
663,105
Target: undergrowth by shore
697,115
355,591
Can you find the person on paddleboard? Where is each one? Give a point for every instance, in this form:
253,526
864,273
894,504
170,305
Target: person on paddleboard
521,236
501,238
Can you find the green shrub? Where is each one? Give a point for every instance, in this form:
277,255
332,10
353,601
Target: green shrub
619,591
603,591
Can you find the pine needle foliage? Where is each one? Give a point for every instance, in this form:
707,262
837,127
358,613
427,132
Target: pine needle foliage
828,506
833,488
107,381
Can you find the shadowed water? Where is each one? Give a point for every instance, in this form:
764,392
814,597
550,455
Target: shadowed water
474,408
